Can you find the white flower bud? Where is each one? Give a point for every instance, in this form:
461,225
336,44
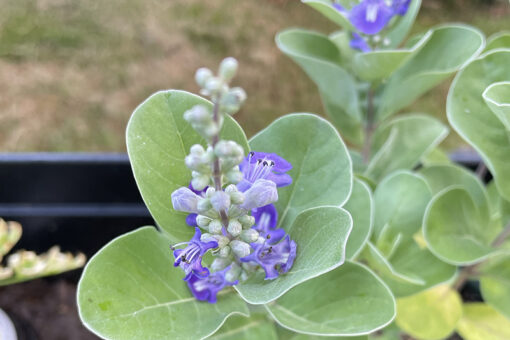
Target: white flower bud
220,264
203,221
224,252
228,68
204,204
220,200
240,248
261,193
206,237
202,76
234,228
235,211
247,221
198,114
210,192
215,227
197,150
234,176
183,199
237,197
244,276
222,240
234,272
200,182
230,189
250,235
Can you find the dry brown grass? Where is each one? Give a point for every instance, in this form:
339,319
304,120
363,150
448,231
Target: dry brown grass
71,72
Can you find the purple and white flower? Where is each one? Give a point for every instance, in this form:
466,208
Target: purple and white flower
207,288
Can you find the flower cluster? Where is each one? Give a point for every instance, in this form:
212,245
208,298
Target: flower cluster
370,17
229,200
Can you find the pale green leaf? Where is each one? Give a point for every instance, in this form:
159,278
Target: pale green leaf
253,328
497,98
470,116
481,322
430,315
322,168
398,32
325,8
495,284
402,142
321,236
360,206
436,156
158,139
498,40
131,290
318,56
348,301
448,49
455,228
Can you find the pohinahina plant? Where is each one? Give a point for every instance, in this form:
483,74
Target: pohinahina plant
426,226
248,232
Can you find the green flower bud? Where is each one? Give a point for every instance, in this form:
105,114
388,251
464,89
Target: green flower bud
235,211
209,192
203,221
224,252
230,189
228,68
204,204
240,248
202,76
250,235
220,263
237,197
247,221
234,272
215,227
234,175
199,182
234,228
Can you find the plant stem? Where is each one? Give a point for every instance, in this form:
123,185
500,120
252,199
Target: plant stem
481,171
216,164
369,127
468,271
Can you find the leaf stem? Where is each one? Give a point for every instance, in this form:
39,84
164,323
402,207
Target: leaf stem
369,127
481,171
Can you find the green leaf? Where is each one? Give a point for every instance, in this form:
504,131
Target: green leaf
481,322
318,56
440,177
325,8
318,337
498,40
322,168
158,139
131,290
253,328
470,116
348,301
380,64
455,228
321,236
447,50
499,207
360,206
400,202
402,142
436,156
497,98
432,314
495,284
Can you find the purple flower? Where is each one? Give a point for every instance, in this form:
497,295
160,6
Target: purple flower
261,165
370,16
206,289
261,193
400,7
190,258
273,258
183,199
358,43
191,219
339,7
266,219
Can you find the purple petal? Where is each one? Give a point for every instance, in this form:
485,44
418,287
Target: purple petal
338,7
267,216
370,16
292,256
358,43
191,220
400,7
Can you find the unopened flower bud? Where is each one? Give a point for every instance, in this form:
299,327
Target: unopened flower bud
234,228
206,237
244,276
204,204
261,193
215,227
250,235
232,101
235,211
237,197
228,148
198,114
234,272
202,76
203,221
183,199
210,192
220,200
197,150
228,68
230,189
220,264
222,240
240,248
234,176
224,252
199,182
247,221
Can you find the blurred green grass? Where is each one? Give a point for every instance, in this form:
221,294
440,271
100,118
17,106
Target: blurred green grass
71,72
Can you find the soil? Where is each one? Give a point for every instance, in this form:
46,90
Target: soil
44,309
